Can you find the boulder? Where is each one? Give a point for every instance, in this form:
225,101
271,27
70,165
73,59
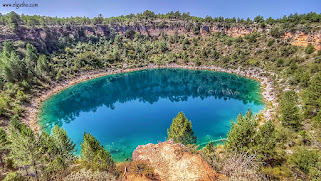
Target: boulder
171,161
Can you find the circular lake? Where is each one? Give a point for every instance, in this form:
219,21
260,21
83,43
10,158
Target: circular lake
129,109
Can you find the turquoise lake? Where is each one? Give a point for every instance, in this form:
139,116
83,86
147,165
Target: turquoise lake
129,109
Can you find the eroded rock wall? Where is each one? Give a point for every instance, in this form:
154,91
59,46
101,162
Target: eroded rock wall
171,162
48,34
303,39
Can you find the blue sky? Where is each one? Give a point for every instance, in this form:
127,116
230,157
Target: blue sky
201,8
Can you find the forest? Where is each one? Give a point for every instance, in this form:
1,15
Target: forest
287,146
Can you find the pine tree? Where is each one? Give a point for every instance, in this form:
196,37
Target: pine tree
4,103
290,116
7,48
181,130
31,59
65,146
4,146
12,67
312,98
58,152
42,65
241,135
24,147
94,156
265,141
14,20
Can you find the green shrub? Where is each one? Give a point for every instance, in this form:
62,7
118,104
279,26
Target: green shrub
3,104
279,62
140,168
209,154
270,42
276,32
13,176
309,49
59,76
21,96
253,62
276,173
306,160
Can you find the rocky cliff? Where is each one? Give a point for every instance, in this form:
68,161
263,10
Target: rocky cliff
303,39
44,37
171,161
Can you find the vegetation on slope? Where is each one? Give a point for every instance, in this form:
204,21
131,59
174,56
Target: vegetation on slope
291,150
181,130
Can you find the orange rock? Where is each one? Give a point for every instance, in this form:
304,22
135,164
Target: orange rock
302,39
171,162
136,178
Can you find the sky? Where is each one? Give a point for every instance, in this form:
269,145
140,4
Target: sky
200,8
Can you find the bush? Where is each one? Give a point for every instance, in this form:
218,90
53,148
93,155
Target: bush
239,39
251,38
309,49
209,154
21,96
317,59
270,42
13,176
288,50
276,173
280,62
276,32
3,104
306,160
59,76
140,168
253,62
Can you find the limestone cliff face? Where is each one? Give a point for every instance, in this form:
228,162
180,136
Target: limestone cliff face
234,30
171,162
48,35
302,39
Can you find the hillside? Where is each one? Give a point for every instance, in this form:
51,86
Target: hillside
42,55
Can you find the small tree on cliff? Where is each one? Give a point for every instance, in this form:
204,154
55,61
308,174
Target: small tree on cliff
181,130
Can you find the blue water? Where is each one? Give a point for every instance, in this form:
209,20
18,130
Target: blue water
126,110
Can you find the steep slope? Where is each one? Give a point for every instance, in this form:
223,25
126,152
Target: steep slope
171,161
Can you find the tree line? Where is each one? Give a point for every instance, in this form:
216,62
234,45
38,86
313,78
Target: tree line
15,20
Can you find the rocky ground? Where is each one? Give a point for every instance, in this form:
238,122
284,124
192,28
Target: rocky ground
171,161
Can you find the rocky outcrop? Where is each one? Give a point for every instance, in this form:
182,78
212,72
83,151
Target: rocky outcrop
45,37
303,39
236,30
171,162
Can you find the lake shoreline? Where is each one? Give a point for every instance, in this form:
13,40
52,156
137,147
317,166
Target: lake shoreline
31,118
